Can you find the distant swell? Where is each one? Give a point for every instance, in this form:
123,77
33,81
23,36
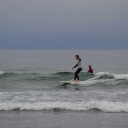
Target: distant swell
104,106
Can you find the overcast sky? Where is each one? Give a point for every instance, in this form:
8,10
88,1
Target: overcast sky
63,24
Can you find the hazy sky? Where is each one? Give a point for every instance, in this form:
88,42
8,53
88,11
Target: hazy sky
63,24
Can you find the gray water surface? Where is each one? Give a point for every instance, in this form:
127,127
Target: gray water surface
30,80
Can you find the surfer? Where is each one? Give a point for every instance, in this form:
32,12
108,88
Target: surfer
79,68
90,69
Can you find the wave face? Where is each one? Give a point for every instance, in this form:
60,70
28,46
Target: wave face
107,78
101,77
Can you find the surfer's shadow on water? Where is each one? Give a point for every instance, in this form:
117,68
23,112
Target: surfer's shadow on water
68,85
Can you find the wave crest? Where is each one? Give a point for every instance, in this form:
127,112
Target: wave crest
111,75
1,72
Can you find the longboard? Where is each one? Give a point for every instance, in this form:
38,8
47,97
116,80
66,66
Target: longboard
70,82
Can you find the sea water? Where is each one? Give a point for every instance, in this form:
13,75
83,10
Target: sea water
30,80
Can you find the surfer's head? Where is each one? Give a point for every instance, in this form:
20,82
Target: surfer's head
77,57
89,66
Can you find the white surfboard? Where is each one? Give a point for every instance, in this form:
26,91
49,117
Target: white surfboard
70,82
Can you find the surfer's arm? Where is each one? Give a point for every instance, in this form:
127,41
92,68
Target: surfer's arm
88,72
75,66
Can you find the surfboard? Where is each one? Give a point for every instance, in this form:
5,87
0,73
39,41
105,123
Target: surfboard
70,82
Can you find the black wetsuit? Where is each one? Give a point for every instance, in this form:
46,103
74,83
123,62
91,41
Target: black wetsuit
78,70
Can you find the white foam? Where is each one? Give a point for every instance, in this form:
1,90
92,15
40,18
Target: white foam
102,73
113,81
1,72
94,82
121,76
104,106
116,76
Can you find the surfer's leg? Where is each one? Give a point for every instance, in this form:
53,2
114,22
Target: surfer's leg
76,75
77,72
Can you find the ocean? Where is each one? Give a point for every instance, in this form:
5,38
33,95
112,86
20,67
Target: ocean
30,87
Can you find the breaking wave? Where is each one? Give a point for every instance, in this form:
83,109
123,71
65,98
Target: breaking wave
105,78
104,106
107,75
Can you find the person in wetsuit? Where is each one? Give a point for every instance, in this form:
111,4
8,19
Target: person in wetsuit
79,68
90,69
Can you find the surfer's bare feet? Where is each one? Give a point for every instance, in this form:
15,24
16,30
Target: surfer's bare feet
78,81
74,81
